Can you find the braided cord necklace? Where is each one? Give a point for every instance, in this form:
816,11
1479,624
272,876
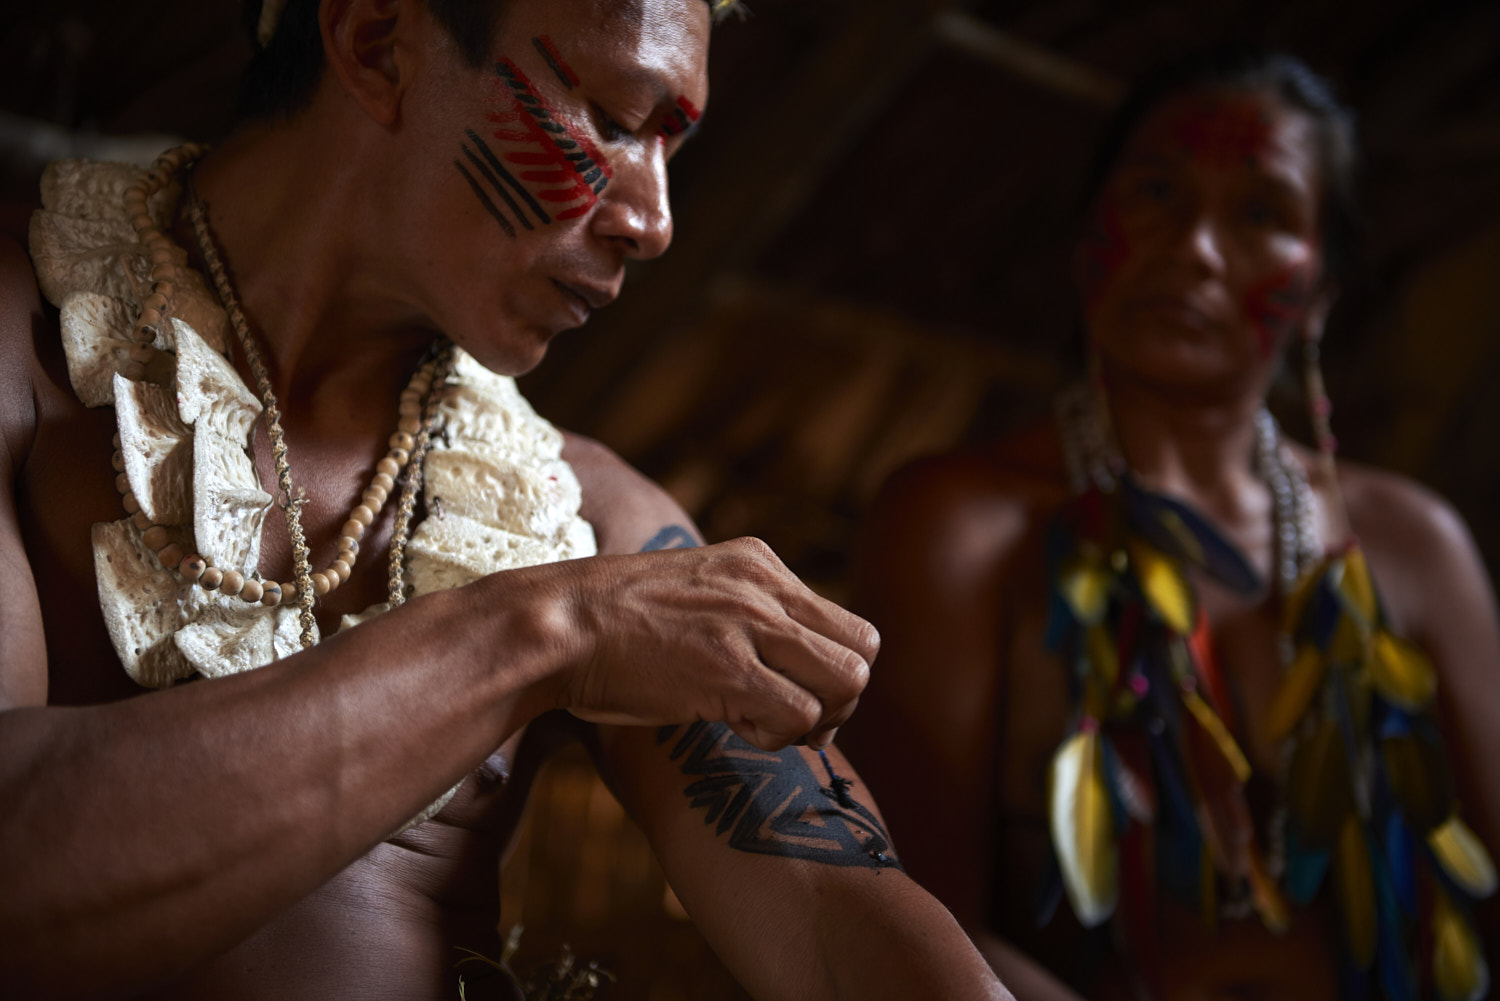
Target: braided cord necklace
408,445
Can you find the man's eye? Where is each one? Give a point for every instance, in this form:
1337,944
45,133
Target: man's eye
1262,213
609,129
1156,189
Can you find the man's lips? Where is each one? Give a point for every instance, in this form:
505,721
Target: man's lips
590,296
1180,309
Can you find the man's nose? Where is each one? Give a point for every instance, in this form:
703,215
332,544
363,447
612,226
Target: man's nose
635,210
1201,242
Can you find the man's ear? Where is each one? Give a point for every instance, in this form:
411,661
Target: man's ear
372,48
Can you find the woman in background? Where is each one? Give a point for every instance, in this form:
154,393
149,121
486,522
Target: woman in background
1163,698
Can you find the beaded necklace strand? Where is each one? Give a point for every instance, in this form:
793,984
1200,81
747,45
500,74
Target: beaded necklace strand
408,445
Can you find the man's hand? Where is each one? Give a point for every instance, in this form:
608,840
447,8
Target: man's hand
723,633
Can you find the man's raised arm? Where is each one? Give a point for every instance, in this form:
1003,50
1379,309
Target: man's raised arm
780,856
144,836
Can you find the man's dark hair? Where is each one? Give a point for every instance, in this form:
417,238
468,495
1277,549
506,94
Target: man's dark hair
1261,70
282,77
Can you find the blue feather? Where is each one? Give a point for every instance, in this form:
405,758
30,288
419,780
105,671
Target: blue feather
1061,626
1305,870
1179,842
1401,857
1112,783
1049,889
1396,974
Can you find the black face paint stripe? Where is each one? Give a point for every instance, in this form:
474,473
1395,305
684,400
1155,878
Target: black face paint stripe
501,172
484,199
498,187
554,61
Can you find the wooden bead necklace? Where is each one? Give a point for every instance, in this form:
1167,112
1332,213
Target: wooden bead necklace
407,446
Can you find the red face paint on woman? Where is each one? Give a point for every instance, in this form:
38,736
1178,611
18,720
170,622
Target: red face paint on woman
1203,257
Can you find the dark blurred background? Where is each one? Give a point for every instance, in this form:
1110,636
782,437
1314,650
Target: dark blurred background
874,228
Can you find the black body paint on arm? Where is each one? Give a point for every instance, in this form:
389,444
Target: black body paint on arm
671,537
772,804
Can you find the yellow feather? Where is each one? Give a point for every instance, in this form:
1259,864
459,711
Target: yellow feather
1463,857
1350,643
1355,585
1082,823
1296,693
1209,720
1458,968
1084,582
1419,781
1401,672
1319,797
1356,892
1105,661
1165,588
1270,902
1104,655
1296,602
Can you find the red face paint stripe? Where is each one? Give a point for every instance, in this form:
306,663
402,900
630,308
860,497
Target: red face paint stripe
1277,304
1224,135
548,139
680,118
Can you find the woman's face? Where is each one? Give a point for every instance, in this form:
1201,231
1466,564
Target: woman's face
1203,256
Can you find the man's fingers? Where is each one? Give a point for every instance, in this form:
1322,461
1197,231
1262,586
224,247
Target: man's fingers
836,623
834,674
822,739
805,605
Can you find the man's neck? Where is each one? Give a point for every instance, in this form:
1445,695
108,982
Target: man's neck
1195,447
301,240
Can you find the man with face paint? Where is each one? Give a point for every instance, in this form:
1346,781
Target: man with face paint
246,810
1099,647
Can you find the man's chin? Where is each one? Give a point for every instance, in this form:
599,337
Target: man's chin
514,355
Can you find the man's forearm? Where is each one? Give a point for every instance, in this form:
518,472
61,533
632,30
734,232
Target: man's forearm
144,836
901,943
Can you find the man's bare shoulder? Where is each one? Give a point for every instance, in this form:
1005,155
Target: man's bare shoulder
23,325
1424,559
628,511
1398,515
991,495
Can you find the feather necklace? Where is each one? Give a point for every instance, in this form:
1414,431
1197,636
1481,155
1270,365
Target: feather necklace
1148,789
